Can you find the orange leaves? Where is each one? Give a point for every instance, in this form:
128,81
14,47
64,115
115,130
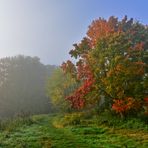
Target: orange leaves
110,63
119,106
124,105
101,28
146,100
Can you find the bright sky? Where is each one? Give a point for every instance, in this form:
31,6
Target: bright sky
48,28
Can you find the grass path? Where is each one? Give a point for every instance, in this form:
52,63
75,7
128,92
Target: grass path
42,134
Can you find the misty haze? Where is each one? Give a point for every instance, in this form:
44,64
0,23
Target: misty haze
73,74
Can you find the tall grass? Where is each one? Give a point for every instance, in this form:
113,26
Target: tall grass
13,123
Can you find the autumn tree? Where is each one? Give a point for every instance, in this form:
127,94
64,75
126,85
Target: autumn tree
112,62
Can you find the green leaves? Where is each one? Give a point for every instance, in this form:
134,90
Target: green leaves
112,58
59,86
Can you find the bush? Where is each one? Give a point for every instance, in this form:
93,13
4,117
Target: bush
68,119
109,119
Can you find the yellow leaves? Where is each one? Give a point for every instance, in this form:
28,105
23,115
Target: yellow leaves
120,92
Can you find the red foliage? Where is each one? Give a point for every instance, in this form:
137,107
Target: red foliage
77,99
100,29
123,105
146,100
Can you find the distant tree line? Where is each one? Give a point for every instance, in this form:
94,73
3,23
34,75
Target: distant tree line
23,86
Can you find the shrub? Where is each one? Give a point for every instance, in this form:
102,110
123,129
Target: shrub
68,119
109,119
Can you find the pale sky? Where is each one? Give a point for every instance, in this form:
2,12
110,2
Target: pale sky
49,28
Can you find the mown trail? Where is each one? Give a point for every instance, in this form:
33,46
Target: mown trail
42,134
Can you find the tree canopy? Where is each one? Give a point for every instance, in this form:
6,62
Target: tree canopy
112,61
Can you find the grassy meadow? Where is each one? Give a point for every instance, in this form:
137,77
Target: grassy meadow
46,131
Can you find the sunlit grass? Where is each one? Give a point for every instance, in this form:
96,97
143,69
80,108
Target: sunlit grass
42,134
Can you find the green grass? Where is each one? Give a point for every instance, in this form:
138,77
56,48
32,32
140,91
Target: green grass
41,133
